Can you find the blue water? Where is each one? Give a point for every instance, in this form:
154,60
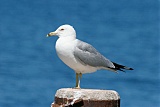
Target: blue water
125,31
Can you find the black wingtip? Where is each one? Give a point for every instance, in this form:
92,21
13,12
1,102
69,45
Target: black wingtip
121,67
127,68
131,69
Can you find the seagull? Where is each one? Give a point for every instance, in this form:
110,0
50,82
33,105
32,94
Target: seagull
81,56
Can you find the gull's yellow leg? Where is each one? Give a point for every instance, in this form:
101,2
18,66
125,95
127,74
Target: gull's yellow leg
77,81
78,77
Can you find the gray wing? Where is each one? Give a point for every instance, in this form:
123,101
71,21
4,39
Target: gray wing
88,55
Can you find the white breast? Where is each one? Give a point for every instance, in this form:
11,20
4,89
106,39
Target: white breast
65,48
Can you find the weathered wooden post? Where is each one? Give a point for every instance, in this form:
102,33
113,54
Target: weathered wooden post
68,97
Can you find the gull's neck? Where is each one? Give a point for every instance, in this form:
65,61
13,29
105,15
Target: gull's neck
68,38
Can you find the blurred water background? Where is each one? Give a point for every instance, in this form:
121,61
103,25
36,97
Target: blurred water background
125,31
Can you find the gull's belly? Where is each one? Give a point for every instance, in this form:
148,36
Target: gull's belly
75,65
65,53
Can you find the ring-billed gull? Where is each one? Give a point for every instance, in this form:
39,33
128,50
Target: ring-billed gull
81,56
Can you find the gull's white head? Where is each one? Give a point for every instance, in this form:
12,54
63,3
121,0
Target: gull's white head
64,31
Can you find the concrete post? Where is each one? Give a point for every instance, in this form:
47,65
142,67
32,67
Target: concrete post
68,97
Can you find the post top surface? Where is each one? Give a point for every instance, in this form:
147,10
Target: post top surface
85,94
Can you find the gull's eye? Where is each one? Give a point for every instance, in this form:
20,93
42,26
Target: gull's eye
61,29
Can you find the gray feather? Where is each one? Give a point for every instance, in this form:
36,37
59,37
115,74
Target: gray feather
88,55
